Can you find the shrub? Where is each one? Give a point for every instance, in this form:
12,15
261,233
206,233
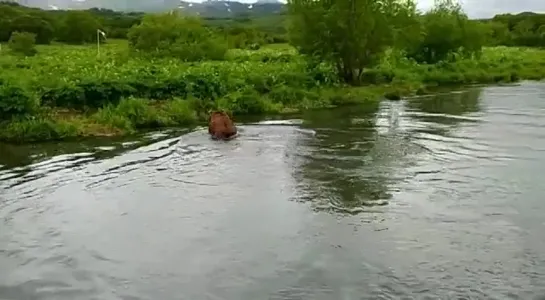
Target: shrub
15,102
170,35
247,101
79,27
134,113
33,23
129,114
87,94
447,32
23,43
178,112
245,38
34,129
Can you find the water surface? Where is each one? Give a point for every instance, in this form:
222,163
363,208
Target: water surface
437,197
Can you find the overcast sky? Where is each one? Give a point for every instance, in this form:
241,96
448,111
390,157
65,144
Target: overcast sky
481,8
488,8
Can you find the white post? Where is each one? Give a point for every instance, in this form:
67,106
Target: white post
98,42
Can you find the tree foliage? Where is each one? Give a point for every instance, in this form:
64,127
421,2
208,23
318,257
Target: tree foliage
351,34
446,30
524,29
245,37
12,19
172,35
23,43
36,24
79,27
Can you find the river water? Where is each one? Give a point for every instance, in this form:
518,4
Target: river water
438,197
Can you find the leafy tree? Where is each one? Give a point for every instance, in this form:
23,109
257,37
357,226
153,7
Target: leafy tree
79,27
525,29
245,37
7,14
171,35
541,33
447,30
497,33
116,23
350,34
23,43
42,29
525,33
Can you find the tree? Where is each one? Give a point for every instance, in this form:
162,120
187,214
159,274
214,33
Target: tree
447,30
23,43
524,28
33,23
541,33
7,14
350,34
169,34
498,34
524,33
79,27
244,37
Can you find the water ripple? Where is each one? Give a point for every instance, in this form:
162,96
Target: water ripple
434,197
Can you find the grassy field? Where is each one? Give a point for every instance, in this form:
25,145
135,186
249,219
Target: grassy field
72,91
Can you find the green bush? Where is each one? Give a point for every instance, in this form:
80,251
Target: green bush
178,112
129,114
170,35
447,32
78,27
33,22
134,113
15,101
35,129
87,94
23,43
242,37
247,101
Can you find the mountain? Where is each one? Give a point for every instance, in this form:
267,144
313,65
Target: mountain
224,9
207,9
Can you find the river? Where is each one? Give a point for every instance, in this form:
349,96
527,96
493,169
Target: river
436,197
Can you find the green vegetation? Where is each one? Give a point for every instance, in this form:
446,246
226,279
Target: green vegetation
171,36
170,70
79,26
23,43
525,29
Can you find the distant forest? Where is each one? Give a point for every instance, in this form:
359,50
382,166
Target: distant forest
524,29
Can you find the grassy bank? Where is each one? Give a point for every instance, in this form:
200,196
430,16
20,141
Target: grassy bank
68,91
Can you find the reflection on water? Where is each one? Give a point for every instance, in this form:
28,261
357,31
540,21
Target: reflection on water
359,156
336,169
435,197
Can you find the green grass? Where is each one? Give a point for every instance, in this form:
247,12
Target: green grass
71,91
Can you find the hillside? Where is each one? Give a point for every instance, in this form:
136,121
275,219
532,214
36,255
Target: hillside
207,9
226,9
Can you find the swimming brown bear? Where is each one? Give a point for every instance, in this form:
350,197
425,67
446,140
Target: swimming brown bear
221,127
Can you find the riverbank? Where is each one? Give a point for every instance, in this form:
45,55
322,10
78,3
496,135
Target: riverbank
68,92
